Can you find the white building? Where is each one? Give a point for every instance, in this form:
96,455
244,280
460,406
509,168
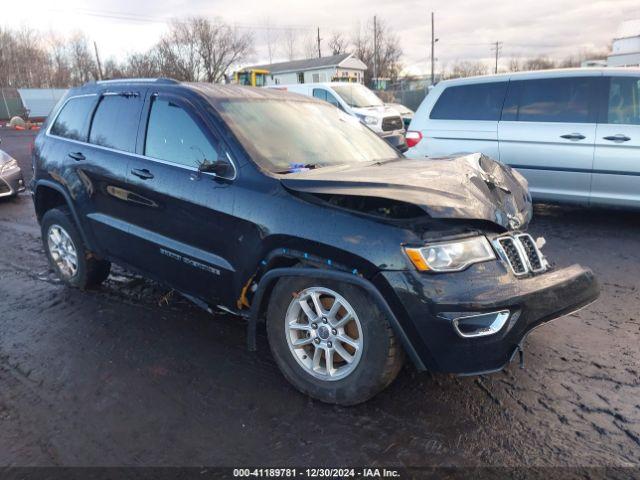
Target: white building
335,68
625,51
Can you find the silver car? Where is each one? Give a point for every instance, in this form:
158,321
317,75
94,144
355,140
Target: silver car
574,134
11,181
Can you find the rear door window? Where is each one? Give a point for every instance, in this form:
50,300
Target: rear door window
567,100
173,135
115,123
72,120
479,101
624,101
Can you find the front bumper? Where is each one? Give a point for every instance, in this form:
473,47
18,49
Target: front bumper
429,302
11,183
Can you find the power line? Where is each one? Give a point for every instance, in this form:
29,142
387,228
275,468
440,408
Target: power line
164,20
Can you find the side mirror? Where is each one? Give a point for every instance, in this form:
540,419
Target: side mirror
218,168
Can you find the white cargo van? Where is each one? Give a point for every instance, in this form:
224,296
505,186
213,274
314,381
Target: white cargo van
359,101
574,133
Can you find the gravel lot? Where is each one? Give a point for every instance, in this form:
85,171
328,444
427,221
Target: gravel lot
132,375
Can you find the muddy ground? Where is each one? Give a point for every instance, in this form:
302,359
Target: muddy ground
131,375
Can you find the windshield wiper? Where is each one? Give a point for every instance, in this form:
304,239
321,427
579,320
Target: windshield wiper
299,167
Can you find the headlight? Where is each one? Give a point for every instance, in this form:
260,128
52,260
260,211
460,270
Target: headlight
451,256
368,119
10,165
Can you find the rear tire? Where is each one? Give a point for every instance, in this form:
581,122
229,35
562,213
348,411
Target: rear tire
357,359
67,254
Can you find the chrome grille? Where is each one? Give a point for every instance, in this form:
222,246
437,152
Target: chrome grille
521,253
392,123
534,257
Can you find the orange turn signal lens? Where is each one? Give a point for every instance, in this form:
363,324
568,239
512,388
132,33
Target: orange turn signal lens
417,259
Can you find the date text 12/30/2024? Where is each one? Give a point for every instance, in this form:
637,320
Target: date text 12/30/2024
316,473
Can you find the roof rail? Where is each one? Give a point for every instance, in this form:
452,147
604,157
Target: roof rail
169,81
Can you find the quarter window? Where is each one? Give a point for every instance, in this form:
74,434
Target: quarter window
568,100
72,120
624,101
173,135
480,101
322,94
115,123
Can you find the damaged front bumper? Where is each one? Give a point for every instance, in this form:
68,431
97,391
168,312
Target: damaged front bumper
475,321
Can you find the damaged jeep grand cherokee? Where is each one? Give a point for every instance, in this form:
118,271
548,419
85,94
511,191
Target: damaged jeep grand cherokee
274,206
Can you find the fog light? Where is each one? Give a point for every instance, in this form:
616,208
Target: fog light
480,325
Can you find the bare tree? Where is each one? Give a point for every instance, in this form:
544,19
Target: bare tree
60,71
338,44
270,36
177,52
388,50
219,46
585,54
142,65
310,46
290,42
23,60
467,69
198,49
112,69
539,63
516,64
83,65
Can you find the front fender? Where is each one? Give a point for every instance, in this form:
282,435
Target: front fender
268,280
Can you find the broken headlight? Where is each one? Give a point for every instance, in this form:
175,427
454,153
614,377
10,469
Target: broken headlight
451,256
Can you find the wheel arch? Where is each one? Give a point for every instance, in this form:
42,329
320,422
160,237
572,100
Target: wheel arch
48,195
269,279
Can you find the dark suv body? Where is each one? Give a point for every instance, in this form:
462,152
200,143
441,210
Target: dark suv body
268,204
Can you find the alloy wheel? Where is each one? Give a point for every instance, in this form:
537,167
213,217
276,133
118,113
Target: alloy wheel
63,251
324,333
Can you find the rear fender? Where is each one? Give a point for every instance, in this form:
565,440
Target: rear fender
43,184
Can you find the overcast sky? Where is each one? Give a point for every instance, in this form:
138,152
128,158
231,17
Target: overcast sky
466,28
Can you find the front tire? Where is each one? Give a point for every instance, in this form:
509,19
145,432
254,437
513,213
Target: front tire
331,341
67,254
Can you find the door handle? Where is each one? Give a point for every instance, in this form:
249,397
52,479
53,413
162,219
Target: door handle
573,136
143,173
77,156
617,138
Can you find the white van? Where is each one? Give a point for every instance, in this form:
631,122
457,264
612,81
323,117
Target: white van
359,101
574,134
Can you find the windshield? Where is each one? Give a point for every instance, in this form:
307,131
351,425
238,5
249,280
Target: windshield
284,136
357,95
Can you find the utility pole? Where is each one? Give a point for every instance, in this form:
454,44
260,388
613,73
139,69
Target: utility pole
95,46
375,51
433,50
319,51
497,47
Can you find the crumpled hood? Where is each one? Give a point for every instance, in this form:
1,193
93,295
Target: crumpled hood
471,186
